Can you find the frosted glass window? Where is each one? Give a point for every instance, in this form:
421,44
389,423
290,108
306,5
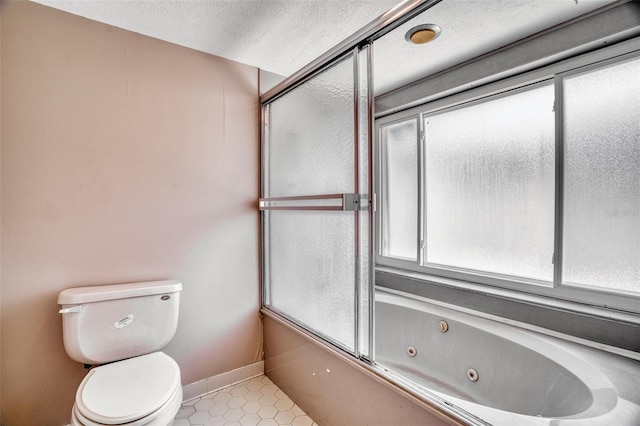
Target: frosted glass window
310,148
490,185
311,270
399,150
602,178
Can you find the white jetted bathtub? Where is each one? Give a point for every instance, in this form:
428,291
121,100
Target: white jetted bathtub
501,373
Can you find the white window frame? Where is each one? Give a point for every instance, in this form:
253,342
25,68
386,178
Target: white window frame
580,298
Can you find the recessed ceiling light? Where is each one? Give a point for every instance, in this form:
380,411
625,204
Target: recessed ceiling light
422,34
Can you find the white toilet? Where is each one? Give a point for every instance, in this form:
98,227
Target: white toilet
121,328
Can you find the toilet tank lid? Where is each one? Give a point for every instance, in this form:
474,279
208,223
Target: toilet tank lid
79,295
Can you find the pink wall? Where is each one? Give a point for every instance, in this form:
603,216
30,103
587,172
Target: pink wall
124,158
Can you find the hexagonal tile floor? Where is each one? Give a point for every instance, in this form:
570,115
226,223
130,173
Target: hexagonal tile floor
255,402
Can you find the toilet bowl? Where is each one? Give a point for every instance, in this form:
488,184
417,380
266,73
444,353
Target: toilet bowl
143,390
120,329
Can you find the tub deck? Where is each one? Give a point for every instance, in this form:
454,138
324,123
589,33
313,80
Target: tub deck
500,372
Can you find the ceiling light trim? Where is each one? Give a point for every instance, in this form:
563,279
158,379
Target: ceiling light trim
415,35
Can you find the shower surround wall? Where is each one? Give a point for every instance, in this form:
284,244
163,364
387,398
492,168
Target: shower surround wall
124,158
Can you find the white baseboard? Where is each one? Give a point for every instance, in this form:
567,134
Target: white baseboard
220,381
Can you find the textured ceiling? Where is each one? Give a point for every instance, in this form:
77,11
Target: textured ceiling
279,36
282,36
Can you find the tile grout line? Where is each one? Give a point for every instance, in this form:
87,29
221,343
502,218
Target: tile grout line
255,401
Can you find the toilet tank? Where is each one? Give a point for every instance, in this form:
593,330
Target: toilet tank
108,323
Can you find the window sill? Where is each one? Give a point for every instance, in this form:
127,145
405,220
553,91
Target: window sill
601,328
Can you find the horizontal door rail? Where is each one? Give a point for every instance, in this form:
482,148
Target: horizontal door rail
339,202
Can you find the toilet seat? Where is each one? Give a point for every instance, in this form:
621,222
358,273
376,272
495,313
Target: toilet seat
135,391
162,417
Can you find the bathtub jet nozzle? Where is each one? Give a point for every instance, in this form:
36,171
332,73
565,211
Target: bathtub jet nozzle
472,374
412,351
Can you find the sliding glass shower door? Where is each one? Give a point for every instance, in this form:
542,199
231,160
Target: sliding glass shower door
315,204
